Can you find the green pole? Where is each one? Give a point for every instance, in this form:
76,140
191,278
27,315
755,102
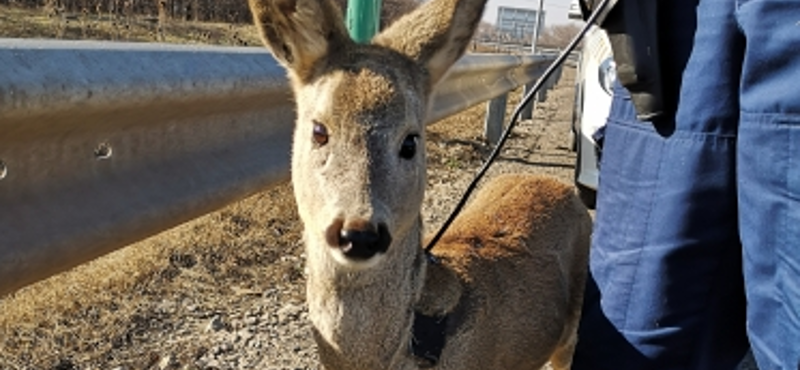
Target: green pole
363,19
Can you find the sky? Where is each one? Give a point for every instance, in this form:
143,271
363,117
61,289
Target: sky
555,10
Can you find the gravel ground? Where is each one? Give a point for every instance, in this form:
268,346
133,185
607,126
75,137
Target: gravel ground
226,291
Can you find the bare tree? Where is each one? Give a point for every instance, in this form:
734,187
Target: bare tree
234,11
486,32
559,35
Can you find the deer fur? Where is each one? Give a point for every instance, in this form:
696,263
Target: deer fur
513,265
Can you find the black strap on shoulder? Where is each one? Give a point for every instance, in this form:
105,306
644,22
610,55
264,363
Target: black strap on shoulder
428,339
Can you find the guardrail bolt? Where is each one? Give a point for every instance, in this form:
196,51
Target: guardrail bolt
3,170
103,151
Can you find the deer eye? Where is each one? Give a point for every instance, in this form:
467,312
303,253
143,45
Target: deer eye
409,147
320,133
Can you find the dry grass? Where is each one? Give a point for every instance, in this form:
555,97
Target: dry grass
41,23
116,303
458,141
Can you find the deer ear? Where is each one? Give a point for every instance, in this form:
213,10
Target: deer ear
435,34
300,33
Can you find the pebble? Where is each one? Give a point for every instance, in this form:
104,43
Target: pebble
243,336
288,312
216,324
251,320
166,362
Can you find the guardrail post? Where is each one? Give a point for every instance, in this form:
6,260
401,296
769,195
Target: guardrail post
542,93
527,111
548,85
557,75
495,115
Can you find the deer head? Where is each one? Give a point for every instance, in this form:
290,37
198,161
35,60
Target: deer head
358,161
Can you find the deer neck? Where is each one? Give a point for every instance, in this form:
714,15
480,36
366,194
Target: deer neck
362,318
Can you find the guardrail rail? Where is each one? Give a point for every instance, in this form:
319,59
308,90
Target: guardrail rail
103,144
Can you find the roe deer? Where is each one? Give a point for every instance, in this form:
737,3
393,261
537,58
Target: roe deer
512,267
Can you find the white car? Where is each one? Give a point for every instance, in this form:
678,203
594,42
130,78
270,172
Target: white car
593,83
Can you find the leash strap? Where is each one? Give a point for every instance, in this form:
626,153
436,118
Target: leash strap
428,339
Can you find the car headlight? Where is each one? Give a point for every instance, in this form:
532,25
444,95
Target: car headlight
607,73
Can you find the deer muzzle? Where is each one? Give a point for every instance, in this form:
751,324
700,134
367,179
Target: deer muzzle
360,239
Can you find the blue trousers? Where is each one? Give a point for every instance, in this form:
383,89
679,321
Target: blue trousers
696,248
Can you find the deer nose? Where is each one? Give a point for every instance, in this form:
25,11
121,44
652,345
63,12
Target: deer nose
362,240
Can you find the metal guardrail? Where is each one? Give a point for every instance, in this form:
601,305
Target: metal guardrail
103,144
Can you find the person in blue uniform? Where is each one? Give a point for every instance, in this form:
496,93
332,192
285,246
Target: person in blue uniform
696,250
